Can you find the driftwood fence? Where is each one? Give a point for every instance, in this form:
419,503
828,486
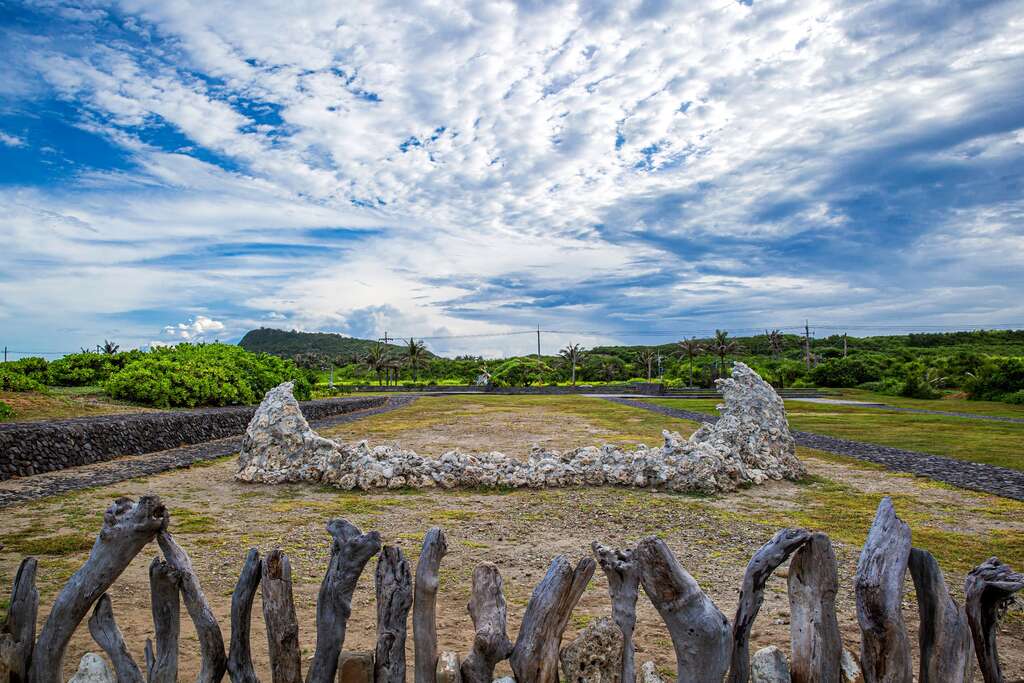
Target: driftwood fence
708,648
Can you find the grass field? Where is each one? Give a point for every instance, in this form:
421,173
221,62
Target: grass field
992,443
216,519
63,402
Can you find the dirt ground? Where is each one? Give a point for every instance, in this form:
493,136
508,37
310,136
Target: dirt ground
217,519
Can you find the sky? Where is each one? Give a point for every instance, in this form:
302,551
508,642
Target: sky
611,171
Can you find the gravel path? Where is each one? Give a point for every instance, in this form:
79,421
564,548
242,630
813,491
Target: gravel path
1000,481
129,467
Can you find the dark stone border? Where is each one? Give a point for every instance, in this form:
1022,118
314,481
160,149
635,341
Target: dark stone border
130,467
1000,481
28,448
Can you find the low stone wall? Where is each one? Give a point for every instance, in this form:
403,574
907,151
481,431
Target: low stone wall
652,389
33,447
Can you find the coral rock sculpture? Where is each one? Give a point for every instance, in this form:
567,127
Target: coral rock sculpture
749,444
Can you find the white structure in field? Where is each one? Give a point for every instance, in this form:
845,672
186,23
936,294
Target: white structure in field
749,444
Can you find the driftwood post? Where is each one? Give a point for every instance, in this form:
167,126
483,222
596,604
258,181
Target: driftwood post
108,636
127,527
18,632
622,570
765,561
988,589
394,597
700,632
240,654
424,611
164,592
350,551
211,642
884,647
817,646
279,615
535,655
487,609
947,652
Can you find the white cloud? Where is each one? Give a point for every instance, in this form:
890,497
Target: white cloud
198,328
11,140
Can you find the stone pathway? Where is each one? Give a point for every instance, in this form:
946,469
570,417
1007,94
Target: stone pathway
1000,481
36,486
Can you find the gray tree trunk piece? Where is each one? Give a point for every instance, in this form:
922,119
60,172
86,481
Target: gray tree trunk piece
489,613
108,636
623,573
424,611
240,667
18,632
988,590
700,632
211,641
817,645
535,655
761,566
885,646
350,551
165,603
394,598
127,527
279,615
947,652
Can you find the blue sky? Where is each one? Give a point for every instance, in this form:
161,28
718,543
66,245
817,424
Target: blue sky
616,171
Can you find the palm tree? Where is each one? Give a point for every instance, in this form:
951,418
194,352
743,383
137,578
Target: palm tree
723,346
647,358
573,354
376,359
109,347
415,354
691,349
774,342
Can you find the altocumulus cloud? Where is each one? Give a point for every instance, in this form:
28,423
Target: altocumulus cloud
470,168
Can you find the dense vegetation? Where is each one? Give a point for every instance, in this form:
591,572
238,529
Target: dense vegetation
985,364
290,344
183,375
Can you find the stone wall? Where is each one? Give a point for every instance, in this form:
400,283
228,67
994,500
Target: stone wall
652,389
33,447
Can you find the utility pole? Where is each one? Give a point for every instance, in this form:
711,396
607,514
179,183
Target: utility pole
807,343
386,338
5,354
538,346
844,345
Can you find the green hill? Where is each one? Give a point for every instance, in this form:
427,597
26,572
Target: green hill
287,344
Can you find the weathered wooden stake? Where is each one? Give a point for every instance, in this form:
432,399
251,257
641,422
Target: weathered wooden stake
947,652
622,570
988,589
487,609
884,647
164,591
279,615
765,561
127,527
700,632
817,646
18,632
240,667
211,642
108,636
350,551
394,597
535,655
424,611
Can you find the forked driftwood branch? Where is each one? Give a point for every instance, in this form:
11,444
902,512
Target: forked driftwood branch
623,573
487,608
279,615
108,636
700,632
989,588
764,562
884,646
162,665
18,632
424,611
535,655
394,598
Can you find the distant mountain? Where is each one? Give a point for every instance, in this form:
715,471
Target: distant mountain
286,343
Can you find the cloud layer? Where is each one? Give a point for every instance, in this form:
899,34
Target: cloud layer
627,169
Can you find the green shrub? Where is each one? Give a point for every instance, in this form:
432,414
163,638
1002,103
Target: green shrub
996,379
80,369
204,375
889,386
6,412
521,372
846,372
13,380
1017,398
915,386
31,366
